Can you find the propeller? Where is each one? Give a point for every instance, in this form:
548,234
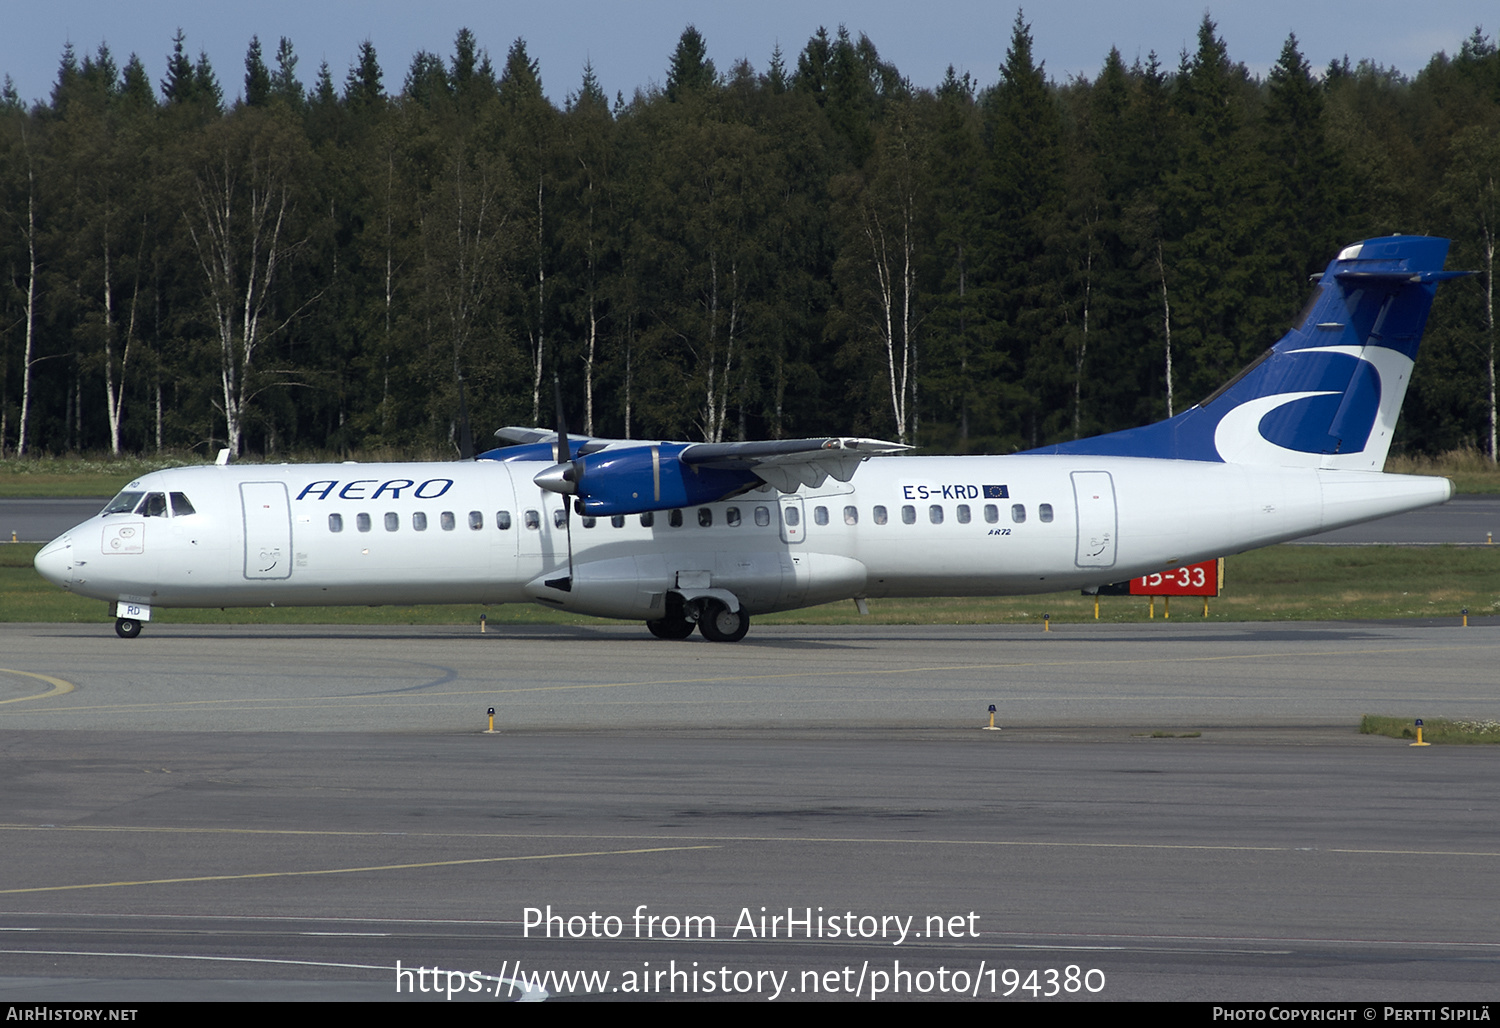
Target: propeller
563,478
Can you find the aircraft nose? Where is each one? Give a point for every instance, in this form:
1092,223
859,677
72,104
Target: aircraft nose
54,562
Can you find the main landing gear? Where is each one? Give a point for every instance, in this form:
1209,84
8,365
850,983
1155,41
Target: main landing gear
711,617
127,628
721,625
670,628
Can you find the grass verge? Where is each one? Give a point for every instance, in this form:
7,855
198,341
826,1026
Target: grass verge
1470,470
1434,730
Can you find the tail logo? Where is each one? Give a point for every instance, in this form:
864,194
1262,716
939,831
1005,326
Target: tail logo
1250,434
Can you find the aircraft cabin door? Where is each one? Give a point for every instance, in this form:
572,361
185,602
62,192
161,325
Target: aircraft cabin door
1098,522
268,530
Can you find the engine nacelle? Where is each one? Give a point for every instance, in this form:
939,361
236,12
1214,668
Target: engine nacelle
635,479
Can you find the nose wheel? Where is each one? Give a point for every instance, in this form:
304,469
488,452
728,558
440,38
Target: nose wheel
127,628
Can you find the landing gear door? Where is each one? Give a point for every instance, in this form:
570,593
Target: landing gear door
1094,498
793,524
268,530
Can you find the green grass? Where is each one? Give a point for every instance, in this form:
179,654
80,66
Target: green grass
1281,583
1470,470
60,477
1434,730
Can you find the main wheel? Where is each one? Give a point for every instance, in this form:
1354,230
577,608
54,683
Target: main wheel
670,628
721,625
127,628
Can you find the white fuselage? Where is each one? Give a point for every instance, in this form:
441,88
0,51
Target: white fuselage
482,532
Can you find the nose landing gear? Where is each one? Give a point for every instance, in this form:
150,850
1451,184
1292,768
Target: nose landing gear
127,628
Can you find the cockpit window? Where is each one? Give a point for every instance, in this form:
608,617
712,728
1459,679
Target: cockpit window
153,506
122,504
181,505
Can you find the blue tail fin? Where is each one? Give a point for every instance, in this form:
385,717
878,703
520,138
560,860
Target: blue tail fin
1328,394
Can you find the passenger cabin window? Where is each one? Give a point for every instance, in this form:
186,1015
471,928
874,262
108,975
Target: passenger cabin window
502,520
820,515
991,513
762,516
534,520
589,522
793,516
851,515
908,515
618,521
392,521
446,520
180,505
418,521
674,517
476,520
732,517
1018,513
1044,512
335,522
705,517
881,517
648,519
362,522
559,518
963,513
935,514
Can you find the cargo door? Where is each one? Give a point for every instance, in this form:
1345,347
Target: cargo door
1094,499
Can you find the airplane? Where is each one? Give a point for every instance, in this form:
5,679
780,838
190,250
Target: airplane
705,536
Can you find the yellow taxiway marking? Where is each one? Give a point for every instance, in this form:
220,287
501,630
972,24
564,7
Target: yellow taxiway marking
717,841
350,870
315,702
60,687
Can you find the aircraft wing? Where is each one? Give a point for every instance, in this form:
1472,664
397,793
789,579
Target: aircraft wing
614,476
519,434
789,463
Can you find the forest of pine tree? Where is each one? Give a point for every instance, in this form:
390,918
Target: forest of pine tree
819,246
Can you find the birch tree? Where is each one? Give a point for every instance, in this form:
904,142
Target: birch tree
241,222
882,256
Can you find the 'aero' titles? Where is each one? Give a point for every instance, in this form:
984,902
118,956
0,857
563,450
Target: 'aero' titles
358,489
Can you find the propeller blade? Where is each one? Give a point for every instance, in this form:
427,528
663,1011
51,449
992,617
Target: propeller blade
566,482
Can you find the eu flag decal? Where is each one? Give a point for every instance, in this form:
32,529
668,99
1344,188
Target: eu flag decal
996,492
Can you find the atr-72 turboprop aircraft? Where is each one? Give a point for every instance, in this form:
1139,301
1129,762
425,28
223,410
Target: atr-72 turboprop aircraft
679,535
